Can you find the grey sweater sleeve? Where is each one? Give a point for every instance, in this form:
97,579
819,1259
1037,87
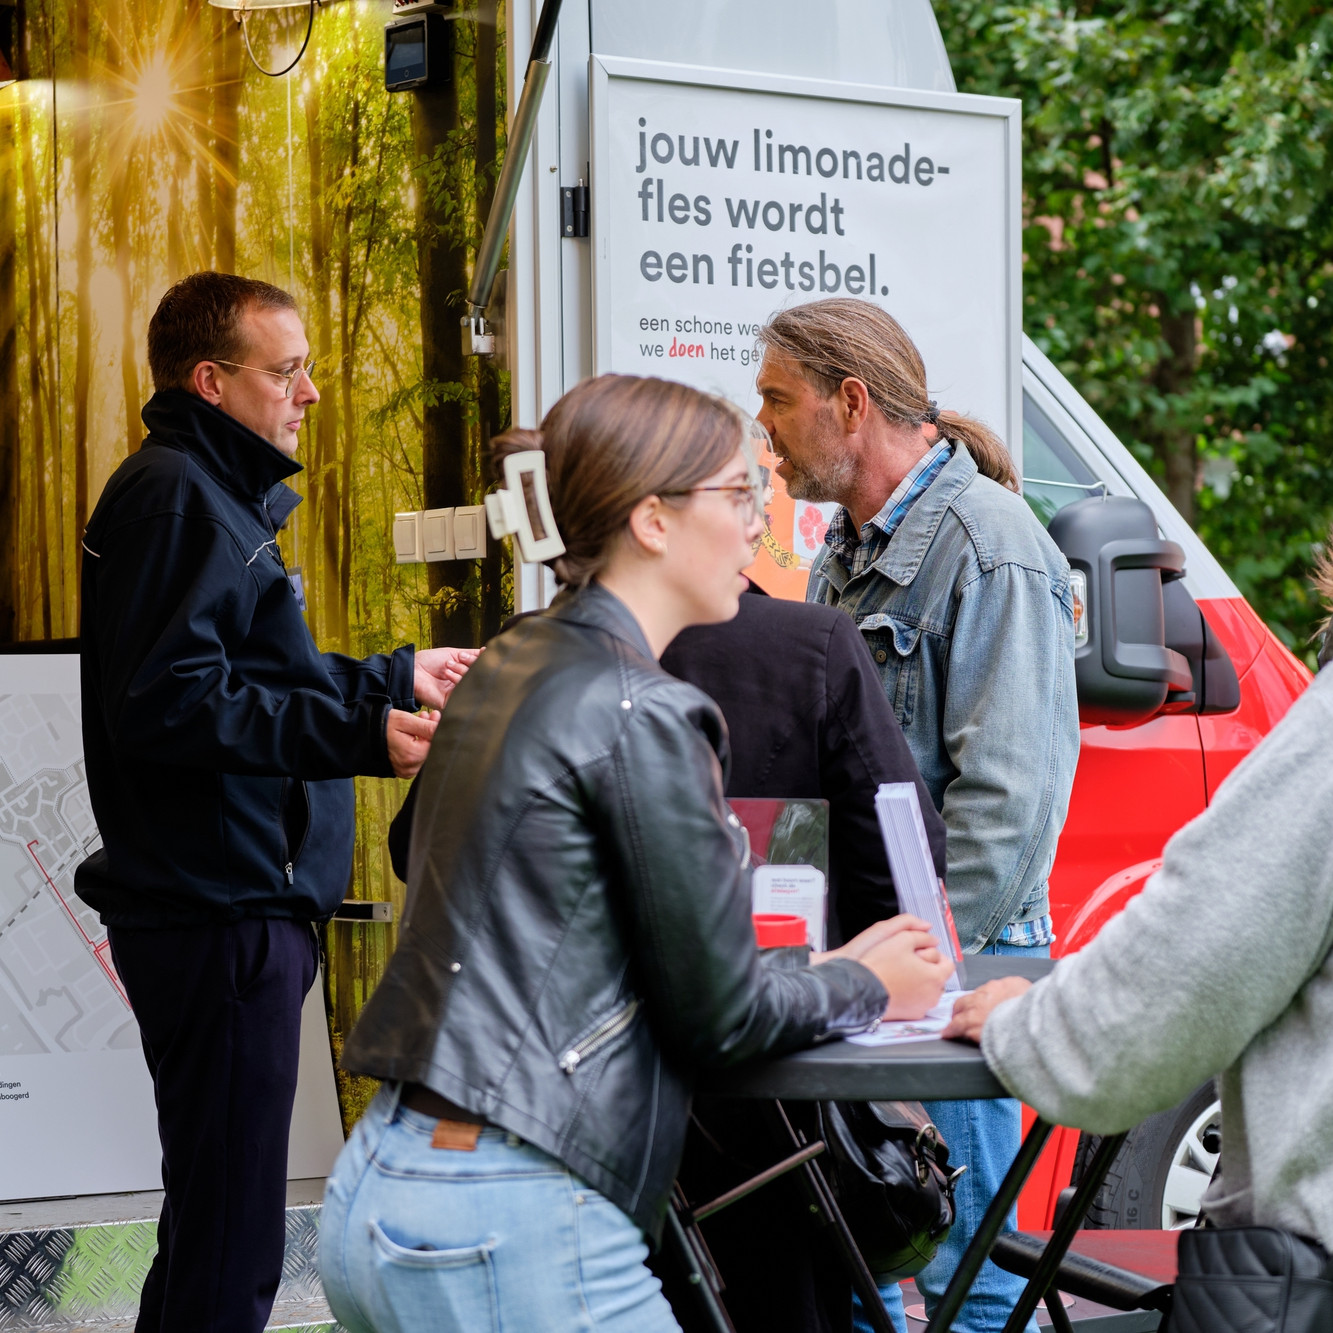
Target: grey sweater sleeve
1208,956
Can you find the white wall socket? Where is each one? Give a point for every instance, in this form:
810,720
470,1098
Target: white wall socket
470,532
437,534
407,538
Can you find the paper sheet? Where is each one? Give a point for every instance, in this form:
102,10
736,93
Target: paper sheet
900,1032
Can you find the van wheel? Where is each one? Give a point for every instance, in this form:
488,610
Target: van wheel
1158,1178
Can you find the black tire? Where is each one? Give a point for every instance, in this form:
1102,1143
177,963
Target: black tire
1140,1191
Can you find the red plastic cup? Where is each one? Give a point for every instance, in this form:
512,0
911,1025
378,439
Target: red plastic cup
778,930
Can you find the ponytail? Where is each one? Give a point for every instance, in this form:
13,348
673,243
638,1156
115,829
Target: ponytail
993,460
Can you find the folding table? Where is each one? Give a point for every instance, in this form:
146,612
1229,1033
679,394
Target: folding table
845,1071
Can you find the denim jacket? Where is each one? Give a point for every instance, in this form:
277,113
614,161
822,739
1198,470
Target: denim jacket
992,726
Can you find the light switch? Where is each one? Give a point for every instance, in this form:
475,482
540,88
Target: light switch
407,537
437,534
470,532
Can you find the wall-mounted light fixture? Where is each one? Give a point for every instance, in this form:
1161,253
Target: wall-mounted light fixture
244,8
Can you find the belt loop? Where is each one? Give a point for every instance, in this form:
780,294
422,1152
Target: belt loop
394,1094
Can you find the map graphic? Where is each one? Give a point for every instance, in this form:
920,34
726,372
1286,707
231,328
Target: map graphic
58,987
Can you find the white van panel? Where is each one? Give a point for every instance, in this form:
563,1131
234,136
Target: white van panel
888,43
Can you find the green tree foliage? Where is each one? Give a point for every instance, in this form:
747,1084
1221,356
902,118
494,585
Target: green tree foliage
1179,250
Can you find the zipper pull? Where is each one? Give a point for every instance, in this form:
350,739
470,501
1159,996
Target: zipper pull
291,879
569,1062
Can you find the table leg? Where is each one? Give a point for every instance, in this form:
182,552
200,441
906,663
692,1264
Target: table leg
1060,1321
699,1272
823,1204
1063,1235
991,1225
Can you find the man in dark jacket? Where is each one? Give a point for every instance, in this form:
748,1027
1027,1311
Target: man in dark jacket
806,717
220,746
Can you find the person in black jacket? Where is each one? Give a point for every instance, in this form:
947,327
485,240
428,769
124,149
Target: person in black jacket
577,941
220,748
806,717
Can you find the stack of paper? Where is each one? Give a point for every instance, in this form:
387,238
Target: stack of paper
919,889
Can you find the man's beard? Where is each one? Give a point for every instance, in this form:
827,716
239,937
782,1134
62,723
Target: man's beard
829,473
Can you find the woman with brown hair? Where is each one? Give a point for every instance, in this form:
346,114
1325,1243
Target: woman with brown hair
577,941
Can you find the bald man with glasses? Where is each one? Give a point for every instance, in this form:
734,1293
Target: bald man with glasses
221,746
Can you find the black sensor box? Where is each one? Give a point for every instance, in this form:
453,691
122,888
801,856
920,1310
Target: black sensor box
418,52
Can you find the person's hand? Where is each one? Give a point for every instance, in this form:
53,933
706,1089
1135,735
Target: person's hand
859,945
438,670
409,736
970,1012
912,970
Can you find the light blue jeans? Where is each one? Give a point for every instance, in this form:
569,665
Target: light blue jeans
502,1239
985,1137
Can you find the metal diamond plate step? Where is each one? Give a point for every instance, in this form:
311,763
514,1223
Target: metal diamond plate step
86,1278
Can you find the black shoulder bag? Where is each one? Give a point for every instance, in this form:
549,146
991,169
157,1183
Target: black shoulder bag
889,1170
1251,1280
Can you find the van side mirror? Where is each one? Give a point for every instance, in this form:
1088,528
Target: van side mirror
1124,668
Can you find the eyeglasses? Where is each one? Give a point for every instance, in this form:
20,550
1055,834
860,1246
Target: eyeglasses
290,378
747,497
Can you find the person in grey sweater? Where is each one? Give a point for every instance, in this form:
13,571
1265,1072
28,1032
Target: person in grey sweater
1221,965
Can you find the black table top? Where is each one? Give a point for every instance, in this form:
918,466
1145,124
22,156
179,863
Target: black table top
917,1071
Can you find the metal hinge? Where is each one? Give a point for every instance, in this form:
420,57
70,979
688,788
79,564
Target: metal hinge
574,211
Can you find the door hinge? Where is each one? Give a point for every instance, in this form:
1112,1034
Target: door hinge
574,211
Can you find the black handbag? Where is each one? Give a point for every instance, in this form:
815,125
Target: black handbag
889,1171
1251,1280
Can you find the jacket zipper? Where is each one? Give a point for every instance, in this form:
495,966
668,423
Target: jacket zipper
604,1032
289,857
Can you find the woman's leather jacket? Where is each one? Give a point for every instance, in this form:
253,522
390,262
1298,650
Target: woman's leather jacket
577,940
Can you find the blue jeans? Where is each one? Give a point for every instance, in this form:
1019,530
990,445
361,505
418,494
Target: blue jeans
502,1239
985,1137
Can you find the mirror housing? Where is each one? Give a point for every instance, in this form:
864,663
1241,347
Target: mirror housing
1124,668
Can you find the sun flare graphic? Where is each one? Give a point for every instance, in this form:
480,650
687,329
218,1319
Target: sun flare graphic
153,96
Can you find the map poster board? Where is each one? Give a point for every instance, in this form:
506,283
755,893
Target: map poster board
76,1103
721,196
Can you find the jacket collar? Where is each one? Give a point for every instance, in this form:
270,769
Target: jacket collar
901,559
597,607
232,454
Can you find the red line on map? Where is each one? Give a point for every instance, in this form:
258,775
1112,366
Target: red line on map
99,950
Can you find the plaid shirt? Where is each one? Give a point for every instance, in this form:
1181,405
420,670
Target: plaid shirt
857,552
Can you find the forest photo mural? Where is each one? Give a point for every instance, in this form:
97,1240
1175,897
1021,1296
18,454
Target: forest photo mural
139,143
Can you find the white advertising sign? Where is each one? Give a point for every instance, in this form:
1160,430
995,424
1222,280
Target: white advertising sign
76,1103
720,197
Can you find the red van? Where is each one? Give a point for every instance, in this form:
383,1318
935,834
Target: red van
1137,784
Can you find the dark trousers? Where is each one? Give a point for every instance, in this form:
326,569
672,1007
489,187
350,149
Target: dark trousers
219,1011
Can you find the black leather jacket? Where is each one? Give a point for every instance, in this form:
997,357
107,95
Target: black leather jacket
577,940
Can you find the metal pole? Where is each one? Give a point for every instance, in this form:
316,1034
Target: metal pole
477,339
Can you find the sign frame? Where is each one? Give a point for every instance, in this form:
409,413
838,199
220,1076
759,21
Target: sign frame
603,69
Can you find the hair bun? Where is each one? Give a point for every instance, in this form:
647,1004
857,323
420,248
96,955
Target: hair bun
516,440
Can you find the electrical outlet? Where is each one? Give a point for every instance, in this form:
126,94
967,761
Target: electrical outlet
470,532
407,545
437,534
